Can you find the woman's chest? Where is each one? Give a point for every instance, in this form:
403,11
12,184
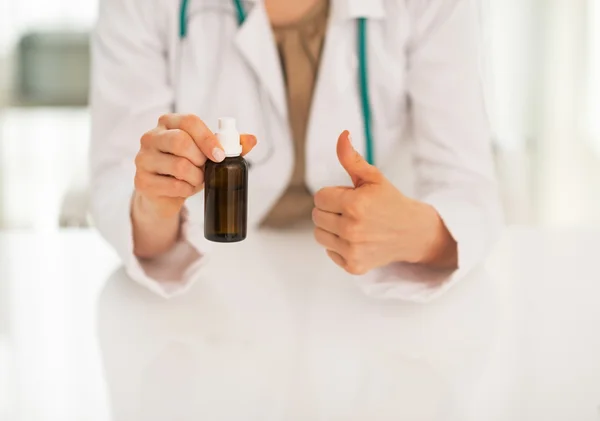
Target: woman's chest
228,69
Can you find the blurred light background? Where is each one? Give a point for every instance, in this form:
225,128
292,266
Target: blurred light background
543,74
44,124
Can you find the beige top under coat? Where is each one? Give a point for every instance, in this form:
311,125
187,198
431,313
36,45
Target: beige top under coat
299,45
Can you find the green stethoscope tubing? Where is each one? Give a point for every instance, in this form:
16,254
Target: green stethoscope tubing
363,75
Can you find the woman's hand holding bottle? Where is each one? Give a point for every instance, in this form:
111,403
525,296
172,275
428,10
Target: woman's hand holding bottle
169,169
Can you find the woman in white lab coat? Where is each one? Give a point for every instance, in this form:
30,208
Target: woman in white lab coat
164,72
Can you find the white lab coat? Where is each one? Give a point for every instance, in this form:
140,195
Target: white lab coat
432,137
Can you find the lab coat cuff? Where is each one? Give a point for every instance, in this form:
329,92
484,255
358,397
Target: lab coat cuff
173,273
422,284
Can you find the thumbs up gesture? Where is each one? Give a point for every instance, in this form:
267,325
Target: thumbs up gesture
373,224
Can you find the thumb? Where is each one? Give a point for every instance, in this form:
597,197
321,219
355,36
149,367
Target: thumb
355,165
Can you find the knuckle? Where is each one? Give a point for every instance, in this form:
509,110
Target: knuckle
356,207
315,215
180,168
188,121
355,268
139,158
180,188
196,175
178,142
143,159
316,234
318,198
350,232
164,119
353,253
140,182
321,197
319,194
175,186
147,139
199,176
187,190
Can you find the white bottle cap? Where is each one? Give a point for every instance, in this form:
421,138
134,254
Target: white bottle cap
229,137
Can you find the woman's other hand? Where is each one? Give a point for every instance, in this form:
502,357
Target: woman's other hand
374,224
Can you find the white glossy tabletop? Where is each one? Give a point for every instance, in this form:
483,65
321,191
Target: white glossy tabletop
285,336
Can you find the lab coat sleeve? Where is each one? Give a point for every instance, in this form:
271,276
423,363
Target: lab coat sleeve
452,139
130,90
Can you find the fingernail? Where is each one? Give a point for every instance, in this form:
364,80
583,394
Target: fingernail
218,154
350,138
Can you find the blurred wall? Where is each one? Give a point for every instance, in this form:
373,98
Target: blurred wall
568,176
514,48
593,74
40,45
545,109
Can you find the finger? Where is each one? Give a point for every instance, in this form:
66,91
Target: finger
175,166
180,143
155,185
355,165
332,199
337,259
195,127
328,221
330,241
248,142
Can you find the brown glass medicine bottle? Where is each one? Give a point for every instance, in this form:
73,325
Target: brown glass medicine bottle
226,189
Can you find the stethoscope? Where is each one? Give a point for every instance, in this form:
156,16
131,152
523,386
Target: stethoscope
362,68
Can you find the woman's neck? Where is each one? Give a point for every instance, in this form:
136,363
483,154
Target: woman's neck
284,12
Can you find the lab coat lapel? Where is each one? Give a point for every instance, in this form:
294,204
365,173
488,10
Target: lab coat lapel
256,44
336,104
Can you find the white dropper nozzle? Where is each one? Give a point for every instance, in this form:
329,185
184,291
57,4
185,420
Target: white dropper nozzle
229,137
